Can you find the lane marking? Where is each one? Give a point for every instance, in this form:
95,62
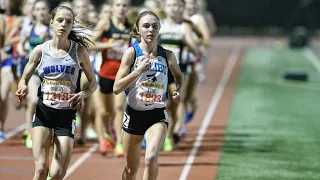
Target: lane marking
232,60
313,59
81,160
13,132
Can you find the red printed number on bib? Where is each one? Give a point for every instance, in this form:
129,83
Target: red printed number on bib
150,97
56,93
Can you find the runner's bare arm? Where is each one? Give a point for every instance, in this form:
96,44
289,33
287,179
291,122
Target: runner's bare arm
34,60
189,41
11,37
102,25
88,71
123,78
175,69
205,31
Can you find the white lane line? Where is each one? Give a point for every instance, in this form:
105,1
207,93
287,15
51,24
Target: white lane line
13,132
81,160
313,59
232,60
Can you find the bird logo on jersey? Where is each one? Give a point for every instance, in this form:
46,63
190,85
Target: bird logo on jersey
152,77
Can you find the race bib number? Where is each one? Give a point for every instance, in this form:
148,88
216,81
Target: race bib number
56,93
150,97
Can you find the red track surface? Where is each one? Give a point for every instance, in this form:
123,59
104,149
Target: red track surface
16,161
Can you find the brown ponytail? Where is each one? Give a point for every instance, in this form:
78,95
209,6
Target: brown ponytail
134,32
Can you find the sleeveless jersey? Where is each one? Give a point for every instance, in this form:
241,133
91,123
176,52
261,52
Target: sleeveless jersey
60,77
112,56
35,39
150,89
171,37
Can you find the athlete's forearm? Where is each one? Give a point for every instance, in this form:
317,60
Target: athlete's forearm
12,41
89,89
178,81
101,46
27,73
123,83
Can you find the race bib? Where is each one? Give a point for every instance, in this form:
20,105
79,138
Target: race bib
56,94
153,93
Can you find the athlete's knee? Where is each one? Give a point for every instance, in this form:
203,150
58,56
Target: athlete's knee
42,168
58,173
103,113
59,170
131,170
151,157
119,109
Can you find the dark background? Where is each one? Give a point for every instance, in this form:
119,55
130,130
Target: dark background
259,15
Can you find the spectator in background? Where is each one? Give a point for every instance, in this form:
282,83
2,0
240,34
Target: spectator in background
202,9
3,18
81,10
66,3
105,11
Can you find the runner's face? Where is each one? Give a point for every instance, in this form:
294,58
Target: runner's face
62,22
174,8
105,12
120,8
27,8
80,8
93,17
41,11
149,27
190,7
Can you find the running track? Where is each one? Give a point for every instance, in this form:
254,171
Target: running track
196,156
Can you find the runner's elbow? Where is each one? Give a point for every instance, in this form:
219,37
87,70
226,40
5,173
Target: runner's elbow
116,89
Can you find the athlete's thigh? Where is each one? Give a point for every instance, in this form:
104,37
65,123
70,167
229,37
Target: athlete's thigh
104,101
41,140
132,148
63,146
95,97
155,137
6,79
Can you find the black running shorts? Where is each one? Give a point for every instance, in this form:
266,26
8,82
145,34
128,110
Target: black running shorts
106,85
138,122
63,122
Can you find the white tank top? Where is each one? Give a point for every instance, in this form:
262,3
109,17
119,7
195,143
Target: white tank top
60,77
150,89
171,36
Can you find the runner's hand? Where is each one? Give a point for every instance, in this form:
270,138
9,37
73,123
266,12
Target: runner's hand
176,96
143,65
22,92
76,100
